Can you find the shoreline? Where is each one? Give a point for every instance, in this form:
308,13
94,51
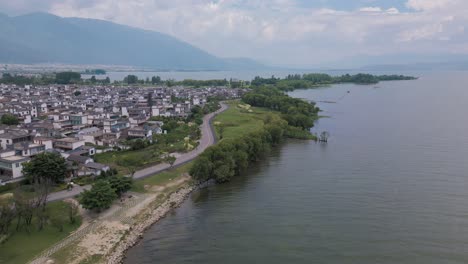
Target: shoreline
150,216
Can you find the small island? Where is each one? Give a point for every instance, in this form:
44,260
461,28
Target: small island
94,72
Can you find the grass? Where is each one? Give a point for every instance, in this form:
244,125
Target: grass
63,255
238,121
125,160
161,178
21,246
92,259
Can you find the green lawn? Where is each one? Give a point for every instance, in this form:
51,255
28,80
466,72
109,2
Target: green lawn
161,178
21,246
238,121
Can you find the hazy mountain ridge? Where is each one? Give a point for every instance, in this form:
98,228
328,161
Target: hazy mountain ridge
45,38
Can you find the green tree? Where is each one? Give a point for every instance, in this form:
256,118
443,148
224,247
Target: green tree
131,79
67,77
7,215
170,160
77,93
121,184
155,80
202,168
99,197
93,79
46,166
9,119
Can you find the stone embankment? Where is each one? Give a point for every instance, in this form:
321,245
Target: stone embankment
150,216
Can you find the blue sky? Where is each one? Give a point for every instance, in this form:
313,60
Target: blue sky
299,33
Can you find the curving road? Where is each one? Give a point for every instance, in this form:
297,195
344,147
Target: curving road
207,139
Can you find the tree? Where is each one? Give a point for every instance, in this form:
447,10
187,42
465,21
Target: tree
42,217
107,80
170,159
73,211
202,168
131,79
77,93
7,214
99,197
121,184
221,129
46,166
24,208
42,190
9,119
67,77
155,80
93,79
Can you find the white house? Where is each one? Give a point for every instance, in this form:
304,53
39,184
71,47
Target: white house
11,167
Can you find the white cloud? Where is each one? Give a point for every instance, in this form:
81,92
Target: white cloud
429,4
282,31
392,10
371,9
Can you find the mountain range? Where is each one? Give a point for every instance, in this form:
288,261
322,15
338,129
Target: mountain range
46,38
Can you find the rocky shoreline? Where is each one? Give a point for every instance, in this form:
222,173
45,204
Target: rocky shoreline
151,216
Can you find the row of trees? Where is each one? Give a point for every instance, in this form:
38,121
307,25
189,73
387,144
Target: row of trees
8,78
297,112
231,157
297,81
133,79
27,210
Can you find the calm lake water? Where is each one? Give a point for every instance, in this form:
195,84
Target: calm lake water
391,186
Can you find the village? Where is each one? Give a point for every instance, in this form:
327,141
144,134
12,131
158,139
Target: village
80,121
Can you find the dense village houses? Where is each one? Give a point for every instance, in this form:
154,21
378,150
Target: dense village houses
77,121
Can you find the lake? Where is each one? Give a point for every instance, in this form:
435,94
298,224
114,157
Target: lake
391,186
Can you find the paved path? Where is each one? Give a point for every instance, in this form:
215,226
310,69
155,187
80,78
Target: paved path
207,139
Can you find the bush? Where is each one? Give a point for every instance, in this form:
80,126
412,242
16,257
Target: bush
99,197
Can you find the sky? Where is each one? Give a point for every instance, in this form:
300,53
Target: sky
295,33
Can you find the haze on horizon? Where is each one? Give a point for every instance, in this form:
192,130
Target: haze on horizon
292,33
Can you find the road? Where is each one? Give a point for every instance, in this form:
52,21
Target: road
207,139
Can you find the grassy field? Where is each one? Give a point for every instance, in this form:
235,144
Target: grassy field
161,178
22,246
238,121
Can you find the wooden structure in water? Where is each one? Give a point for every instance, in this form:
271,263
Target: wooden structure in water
323,137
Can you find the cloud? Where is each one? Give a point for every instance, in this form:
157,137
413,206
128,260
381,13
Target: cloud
370,9
422,5
283,31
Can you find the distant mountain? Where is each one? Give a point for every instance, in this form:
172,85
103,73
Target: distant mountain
45,38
